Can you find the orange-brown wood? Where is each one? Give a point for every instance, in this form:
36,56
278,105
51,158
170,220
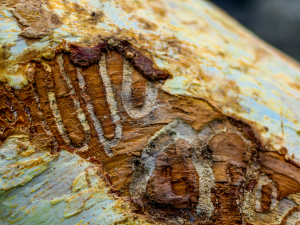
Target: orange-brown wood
228,147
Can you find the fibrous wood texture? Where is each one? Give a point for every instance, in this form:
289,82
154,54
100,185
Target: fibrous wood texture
98,132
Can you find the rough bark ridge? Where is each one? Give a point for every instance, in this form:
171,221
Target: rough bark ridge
178,159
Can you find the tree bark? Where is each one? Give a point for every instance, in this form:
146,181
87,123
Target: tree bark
94,138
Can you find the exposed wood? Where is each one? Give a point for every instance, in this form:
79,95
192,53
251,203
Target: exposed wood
144,112
178,159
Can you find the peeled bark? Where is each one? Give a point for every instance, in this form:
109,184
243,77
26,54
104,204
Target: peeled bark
101,130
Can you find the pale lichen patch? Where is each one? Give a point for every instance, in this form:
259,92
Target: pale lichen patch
88,189
19,165
17,81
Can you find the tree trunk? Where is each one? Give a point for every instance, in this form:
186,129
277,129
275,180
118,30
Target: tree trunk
144,113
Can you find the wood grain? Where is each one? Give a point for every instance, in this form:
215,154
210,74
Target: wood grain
203,167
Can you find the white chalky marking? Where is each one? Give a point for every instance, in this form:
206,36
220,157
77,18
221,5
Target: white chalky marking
150,99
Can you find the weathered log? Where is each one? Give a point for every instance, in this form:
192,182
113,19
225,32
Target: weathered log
143,112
